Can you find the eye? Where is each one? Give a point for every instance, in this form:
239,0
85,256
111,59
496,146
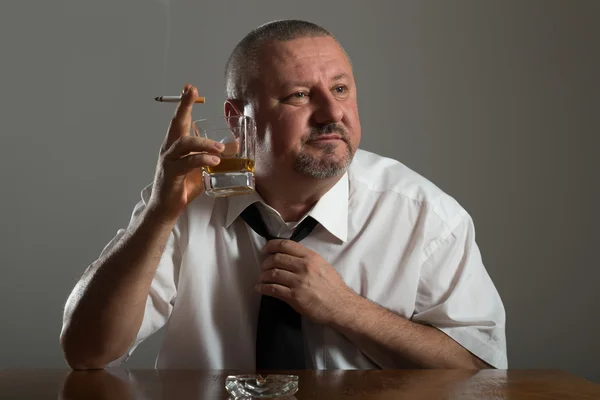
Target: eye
341,91
298,97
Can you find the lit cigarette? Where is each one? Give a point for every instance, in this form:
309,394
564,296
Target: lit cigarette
177,99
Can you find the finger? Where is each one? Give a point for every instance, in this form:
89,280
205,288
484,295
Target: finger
280,277
192,144
231,148
182,120
274,290
283,261
185,164
286,247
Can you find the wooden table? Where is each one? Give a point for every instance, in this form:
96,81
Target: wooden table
120,384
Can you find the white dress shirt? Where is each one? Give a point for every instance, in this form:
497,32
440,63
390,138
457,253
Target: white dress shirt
394,238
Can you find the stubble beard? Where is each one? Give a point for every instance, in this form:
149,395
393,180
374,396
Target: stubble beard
325,165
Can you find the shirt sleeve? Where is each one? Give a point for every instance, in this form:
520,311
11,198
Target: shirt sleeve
457,296
161,296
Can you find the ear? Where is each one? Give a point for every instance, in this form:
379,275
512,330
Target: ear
233,107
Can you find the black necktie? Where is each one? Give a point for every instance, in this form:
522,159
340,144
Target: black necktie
279,342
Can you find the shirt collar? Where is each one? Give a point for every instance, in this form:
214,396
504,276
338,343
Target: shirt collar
331,210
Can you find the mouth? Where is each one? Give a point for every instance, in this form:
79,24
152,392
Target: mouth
326,138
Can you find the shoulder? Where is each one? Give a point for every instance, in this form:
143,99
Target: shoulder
374,175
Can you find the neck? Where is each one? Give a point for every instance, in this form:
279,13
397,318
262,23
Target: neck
293,197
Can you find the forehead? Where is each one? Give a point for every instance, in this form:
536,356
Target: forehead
302,58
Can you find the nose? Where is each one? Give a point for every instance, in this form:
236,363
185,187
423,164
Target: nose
327,109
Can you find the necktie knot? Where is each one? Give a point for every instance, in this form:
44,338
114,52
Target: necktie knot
251,215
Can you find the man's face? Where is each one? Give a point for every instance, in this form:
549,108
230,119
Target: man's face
305,108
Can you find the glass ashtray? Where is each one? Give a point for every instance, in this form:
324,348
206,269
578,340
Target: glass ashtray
261,387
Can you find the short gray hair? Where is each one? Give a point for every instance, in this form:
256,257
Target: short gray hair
242,63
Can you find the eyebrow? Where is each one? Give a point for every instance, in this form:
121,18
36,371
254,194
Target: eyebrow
287,85
340,76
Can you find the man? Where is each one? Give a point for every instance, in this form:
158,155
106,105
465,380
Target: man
390,276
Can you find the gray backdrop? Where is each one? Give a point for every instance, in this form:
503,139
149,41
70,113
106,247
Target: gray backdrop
495,102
